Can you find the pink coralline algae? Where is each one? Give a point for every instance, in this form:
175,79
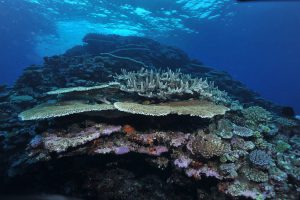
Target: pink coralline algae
58,144
36,141
182,162
249,194
180,139
111,129
104,150
208,172
121,150
153,151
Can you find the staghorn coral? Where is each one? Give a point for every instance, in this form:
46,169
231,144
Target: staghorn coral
46,111
203,109
167,84
208,146
260,158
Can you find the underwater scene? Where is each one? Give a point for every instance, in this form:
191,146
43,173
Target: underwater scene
149,99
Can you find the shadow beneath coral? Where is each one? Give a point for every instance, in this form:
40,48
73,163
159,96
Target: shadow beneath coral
102,177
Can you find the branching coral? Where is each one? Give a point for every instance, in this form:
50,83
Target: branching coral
257,115
167,84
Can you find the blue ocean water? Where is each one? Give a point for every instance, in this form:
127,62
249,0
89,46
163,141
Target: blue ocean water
257,42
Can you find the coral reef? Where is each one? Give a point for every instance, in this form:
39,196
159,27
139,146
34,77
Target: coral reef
256,115
260,158
203,109
145,132
46,111
80,89
208,146
167,84
255,175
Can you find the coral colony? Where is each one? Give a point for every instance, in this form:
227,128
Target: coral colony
104,102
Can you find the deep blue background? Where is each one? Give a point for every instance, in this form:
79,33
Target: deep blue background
260,45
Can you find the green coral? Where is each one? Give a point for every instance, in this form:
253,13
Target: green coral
224,129
282,146
255,115
255,175
260,143
242,131
20,99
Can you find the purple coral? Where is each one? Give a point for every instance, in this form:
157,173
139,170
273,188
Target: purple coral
208,172
260,158
122,150
249,194
180,139
111,129
36,141
182,162
153,151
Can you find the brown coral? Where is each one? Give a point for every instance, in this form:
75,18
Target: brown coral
129,130
208,145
